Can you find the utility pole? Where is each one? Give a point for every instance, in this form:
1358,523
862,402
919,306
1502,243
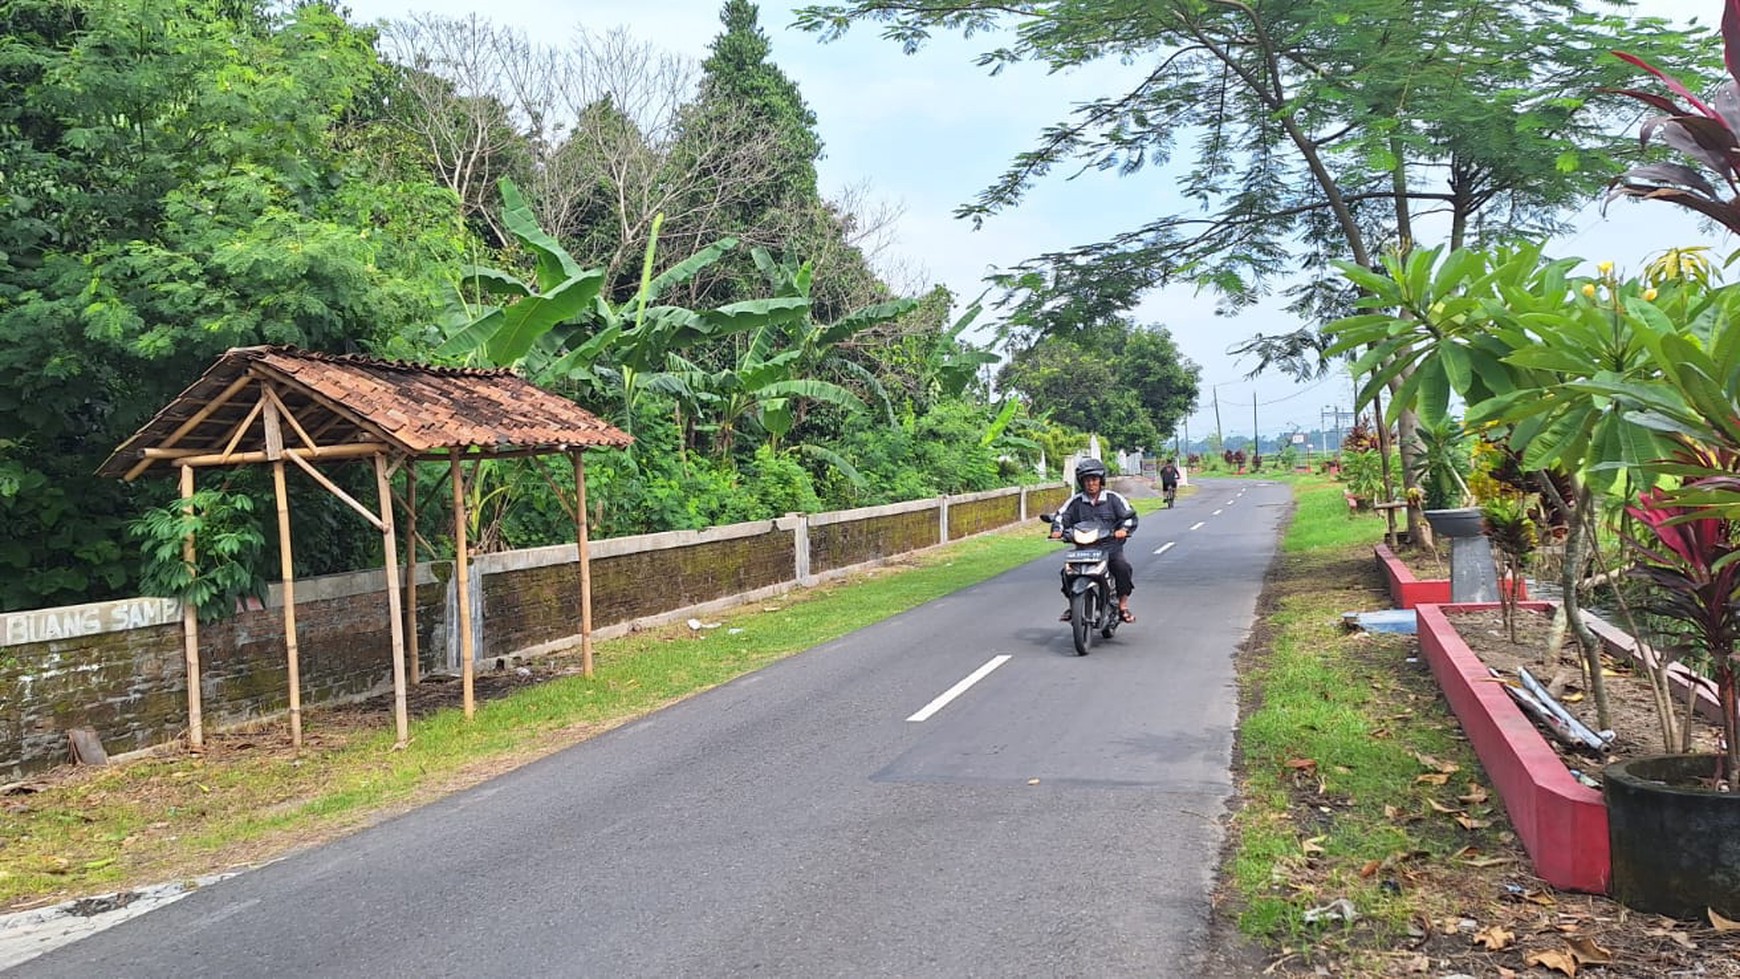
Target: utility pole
1218,437
1256,436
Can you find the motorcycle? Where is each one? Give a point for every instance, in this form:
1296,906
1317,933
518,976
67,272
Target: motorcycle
1087,569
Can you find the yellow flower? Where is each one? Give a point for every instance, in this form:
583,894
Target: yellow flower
1605,268
1589,289
1649,295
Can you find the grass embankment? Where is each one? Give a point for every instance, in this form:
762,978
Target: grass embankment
250,797
1356,782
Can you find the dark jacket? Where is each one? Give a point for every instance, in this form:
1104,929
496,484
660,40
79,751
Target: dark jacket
1168,475
1112,509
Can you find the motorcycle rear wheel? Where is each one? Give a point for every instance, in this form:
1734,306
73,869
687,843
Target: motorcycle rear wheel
1082,613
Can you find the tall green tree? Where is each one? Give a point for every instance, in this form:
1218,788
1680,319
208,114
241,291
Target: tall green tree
1321,130
171,185
1127,383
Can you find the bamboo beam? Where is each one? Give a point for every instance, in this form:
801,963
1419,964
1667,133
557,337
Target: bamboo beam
348,450
201,415
288,416
411,652
333,488
395,612
462,583
580,545
190,630
242,429
289,580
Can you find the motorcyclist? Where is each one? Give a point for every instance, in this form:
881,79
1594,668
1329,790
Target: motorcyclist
1169,479
1095,502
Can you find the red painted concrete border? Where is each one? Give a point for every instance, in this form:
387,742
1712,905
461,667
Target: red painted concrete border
1407,591
1561,822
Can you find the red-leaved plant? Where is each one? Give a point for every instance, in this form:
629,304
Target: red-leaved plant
1709,134
1692,565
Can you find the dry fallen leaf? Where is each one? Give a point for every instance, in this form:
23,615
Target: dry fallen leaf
1589,953
1720,923
1439,806
1391,812
1312,846
1371,867
1302,764
1679,937
1541,898
1471,824
1433,779
1494,938
1476,795
1559,960
1504,973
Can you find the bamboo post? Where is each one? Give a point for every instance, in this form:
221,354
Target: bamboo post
190,630
275,452
394,610
415,667
462,581
289,575
580,544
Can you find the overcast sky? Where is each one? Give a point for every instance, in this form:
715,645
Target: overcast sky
927,132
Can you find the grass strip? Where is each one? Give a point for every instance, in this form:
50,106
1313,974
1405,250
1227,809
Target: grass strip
1356,782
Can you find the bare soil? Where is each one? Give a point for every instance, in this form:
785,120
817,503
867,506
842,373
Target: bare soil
1632,714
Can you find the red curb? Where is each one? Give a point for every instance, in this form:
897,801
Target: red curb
1407,591
1561,822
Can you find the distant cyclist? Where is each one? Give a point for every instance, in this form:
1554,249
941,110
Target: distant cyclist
1169,481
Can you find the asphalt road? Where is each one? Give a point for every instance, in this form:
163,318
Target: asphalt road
1059,816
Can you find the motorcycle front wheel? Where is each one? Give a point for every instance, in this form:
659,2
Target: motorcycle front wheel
1082,614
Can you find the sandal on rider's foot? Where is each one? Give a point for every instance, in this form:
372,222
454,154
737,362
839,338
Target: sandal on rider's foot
1125,615
1065,616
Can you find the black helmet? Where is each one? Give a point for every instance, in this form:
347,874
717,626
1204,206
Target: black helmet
1086,468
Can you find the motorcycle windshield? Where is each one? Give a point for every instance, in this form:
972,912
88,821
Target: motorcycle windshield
1090,532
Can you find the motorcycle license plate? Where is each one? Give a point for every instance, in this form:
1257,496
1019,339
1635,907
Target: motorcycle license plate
1085,556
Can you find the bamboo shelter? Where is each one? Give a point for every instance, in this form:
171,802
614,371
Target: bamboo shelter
277,405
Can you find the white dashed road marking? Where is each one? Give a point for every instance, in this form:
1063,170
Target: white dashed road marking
955,691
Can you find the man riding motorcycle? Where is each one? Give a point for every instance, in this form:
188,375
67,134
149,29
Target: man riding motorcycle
1095,502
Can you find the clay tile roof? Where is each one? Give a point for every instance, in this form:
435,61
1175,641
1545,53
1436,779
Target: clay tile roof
415,409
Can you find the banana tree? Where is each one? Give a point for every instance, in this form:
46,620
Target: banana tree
519,333
761,389
820,345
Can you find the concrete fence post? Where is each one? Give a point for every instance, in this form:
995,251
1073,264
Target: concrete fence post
942,509
800,542
1023,504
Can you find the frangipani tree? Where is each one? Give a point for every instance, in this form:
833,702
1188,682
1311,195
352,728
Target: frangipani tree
1527,347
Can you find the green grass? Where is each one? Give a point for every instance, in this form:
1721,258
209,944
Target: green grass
160,818
1336,724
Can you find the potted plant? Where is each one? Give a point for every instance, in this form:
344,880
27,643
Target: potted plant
1441,470
1689,559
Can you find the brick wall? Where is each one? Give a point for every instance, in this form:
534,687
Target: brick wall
130,686
871,538
977,516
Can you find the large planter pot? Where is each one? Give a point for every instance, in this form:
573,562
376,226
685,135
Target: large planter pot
1675,849
1458,522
